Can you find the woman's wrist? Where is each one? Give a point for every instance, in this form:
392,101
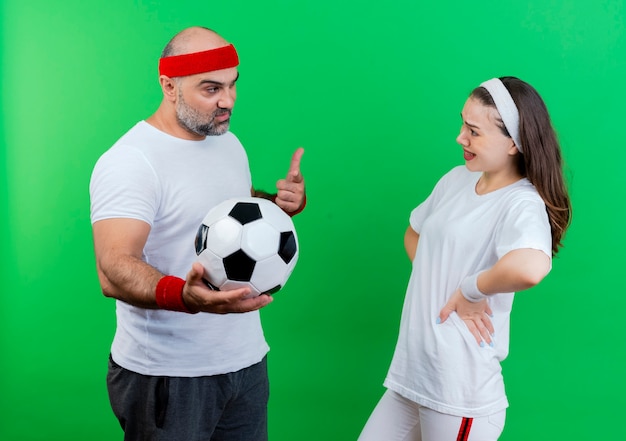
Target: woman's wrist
469,289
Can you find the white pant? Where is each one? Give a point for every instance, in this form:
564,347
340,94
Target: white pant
396,418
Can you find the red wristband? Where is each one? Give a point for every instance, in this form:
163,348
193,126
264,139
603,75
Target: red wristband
169,294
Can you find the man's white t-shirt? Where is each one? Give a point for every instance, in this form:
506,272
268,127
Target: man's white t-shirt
171,184
440,366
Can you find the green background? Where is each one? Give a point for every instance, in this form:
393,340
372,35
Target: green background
373,93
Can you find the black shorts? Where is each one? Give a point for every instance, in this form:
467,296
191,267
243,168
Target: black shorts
227,407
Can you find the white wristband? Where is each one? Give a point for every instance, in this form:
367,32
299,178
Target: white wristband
469,289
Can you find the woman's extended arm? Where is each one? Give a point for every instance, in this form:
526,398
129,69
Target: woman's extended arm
515,271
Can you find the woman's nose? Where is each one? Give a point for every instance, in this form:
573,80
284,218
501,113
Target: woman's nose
462,139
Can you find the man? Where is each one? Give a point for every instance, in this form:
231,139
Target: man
183,365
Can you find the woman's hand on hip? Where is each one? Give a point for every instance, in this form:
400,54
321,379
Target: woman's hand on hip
475,315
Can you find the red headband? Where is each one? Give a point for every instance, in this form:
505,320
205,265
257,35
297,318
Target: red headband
199,62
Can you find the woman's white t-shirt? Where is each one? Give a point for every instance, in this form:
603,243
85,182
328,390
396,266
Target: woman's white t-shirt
440,366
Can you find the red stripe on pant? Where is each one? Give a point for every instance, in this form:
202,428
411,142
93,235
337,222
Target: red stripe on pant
464,430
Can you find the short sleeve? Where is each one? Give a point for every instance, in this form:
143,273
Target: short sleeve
123,185
525,225
419,214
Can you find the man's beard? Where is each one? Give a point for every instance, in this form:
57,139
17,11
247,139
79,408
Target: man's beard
195,122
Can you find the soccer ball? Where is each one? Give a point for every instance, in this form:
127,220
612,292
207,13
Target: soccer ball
247,242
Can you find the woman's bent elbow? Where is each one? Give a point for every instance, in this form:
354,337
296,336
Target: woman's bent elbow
534,276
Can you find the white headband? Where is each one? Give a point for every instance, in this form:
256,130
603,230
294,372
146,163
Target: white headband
506,107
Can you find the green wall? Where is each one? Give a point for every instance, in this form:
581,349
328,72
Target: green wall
373,93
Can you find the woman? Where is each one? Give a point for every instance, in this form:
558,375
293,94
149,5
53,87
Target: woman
487,230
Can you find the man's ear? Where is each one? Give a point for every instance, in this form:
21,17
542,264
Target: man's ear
168,85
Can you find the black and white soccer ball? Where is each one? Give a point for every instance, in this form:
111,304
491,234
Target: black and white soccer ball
247,242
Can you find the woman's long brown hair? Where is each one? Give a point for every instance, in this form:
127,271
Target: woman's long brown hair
541,162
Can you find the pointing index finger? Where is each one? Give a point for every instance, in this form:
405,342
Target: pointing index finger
294,174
